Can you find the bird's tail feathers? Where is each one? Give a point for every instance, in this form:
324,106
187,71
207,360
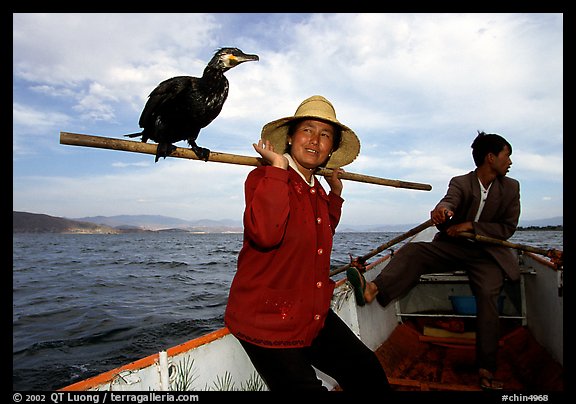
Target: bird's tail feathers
134,134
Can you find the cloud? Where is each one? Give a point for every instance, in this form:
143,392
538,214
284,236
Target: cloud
24,116
29,124
184,189
542,167
416,88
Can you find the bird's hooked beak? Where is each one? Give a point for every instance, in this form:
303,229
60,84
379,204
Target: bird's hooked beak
235,60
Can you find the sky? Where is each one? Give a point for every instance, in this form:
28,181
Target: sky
415,88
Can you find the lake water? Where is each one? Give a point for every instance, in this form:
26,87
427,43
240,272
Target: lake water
85,304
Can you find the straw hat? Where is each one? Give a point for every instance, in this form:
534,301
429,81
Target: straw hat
315,107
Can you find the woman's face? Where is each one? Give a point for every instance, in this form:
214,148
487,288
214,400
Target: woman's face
312,143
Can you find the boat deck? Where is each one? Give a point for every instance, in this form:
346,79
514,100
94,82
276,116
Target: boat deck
414,361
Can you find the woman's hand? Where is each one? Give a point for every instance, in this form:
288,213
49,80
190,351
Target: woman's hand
266,150
334,182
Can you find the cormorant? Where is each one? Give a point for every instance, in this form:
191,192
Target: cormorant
179,107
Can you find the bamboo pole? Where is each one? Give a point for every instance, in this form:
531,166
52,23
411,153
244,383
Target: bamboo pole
390,243
504,243
76,139
555,255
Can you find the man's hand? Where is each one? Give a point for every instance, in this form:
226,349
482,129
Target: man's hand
440,214
459,228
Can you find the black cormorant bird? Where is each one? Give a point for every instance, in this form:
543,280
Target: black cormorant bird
179,107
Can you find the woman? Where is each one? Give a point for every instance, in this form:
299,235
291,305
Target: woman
279,302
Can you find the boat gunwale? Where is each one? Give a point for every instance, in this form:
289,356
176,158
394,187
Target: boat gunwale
147,361
543,260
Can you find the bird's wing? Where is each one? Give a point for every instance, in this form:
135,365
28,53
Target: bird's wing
163,95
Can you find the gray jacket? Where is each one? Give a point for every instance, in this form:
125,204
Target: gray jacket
499,217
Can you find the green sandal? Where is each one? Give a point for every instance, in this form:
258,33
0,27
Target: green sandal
358,282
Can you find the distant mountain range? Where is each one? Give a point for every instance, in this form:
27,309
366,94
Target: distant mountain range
158,222
553,221
24,222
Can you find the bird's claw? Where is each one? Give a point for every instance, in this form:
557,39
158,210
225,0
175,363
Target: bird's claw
164,150
201,152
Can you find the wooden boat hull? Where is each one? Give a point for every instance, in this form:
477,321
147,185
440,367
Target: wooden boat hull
217,361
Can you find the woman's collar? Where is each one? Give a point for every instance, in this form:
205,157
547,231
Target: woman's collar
292,164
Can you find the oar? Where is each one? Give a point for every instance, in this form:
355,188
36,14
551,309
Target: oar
76,139
555,255
390,243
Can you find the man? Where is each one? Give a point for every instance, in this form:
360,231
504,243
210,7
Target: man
483,202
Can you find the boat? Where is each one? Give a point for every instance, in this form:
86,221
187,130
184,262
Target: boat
424,340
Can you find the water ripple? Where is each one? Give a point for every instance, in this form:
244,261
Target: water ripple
84,304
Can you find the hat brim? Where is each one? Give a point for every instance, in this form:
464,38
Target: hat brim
277,133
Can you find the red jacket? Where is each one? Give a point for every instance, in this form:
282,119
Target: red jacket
281,292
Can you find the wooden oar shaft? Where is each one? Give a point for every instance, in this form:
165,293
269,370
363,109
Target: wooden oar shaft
390,243
396,240
505,243
76,139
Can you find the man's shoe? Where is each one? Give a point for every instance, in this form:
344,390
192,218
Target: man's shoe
358,282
